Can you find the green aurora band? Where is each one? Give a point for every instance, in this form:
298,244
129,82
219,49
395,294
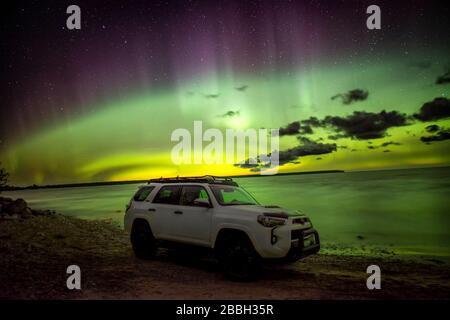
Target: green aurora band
129,138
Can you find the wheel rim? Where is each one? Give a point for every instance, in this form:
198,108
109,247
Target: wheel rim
238,262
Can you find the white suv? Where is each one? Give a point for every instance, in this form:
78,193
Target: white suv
215,213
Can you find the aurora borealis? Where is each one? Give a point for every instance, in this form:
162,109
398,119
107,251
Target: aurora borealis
100,103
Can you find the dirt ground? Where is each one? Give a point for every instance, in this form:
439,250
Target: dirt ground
35,252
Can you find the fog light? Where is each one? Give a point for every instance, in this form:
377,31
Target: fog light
274,239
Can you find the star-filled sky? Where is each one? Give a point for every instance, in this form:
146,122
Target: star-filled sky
100,103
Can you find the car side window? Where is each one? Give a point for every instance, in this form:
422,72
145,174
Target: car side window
143,193
168,195
191,193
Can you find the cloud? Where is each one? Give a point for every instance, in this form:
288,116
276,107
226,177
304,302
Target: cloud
437,109
445,78
313,122
352,96
384,145
291,129
230,114
432,128
337,136
307,147
211,96
294,128
306,129
389,143
363,125
441,135
242,88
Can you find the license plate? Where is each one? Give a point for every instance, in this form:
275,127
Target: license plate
309,241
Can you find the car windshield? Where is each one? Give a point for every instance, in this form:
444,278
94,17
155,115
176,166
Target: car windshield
230,195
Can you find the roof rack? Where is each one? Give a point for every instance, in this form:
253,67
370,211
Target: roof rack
200,179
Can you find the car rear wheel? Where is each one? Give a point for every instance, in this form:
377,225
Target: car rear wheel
142,240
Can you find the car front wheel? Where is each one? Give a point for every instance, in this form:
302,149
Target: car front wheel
239,260
142,240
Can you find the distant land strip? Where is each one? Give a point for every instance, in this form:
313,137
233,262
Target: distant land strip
111,183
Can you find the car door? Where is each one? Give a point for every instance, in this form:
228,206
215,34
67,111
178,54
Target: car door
194,221
140,201
165,208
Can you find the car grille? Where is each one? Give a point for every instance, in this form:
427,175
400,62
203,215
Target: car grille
296,234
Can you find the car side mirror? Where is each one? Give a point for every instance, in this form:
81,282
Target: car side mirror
202,203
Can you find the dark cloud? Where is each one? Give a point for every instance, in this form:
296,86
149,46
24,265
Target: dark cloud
441,135
294,128
432,128
352,96
230,114
248,164
242,88
445,78
437,109
386,150
372,147
212,96
291,129
306,129
313,122
363,125
319,158
307,147
390,143
337,136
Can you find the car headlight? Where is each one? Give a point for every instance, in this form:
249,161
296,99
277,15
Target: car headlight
271,221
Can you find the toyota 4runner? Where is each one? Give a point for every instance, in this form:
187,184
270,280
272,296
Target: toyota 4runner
215,213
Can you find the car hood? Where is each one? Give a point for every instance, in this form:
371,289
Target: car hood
259,209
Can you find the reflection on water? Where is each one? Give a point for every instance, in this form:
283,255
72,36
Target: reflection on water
406,209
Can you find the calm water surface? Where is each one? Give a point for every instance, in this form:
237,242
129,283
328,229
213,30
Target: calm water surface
403,209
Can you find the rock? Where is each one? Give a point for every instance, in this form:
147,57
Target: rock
42,212
5,200
17,206
14,216
4,204
26,213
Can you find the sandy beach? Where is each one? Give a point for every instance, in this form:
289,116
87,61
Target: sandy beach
36,252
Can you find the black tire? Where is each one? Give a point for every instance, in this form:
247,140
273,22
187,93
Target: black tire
142,240
238,259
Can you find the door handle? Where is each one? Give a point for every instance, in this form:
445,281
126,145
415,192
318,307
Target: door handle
178,212
152,209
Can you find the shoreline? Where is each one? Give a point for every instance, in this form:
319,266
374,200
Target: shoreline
37,250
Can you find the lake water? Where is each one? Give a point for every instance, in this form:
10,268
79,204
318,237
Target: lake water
405,210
